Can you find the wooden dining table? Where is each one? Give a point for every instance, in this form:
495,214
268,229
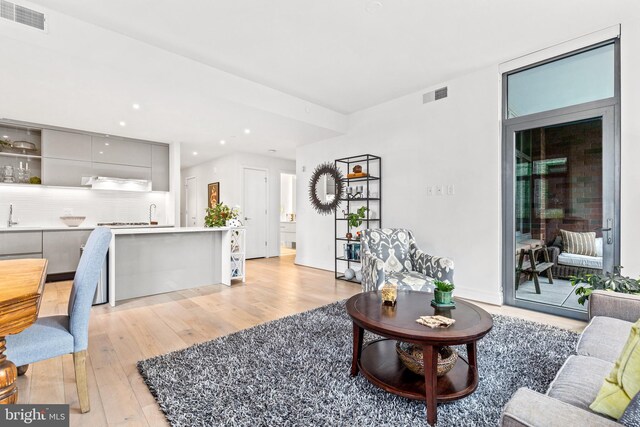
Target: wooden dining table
21,287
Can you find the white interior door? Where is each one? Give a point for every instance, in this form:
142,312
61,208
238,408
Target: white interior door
255,212
191,202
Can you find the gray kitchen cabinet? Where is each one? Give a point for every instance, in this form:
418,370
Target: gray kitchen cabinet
121,171
121,152
160,167
65,173
66,145
21,256
20,242
62,249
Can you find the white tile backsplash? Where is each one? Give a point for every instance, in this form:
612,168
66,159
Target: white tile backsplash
35,206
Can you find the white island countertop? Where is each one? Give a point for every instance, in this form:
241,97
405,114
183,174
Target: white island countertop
159,230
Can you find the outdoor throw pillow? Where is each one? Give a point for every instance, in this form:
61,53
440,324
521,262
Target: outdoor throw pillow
623,382
579,243
631,416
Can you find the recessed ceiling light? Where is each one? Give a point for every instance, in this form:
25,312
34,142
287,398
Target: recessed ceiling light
136,106
222,142
5,136
247,131
106,143
123,123
106,135
195,153
101,152
272,150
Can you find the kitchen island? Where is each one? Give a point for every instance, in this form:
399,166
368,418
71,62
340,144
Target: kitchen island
149,261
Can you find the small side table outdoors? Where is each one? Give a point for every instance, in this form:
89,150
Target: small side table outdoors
532,268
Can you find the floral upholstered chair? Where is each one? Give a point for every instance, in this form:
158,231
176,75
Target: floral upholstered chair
391,255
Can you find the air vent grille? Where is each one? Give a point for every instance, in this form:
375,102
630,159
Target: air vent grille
7,10
22,15
435,95
441,93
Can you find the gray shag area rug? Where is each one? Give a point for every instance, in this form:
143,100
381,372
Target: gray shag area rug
295,372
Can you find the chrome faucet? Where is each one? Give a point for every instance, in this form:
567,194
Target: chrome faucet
152,208
11,222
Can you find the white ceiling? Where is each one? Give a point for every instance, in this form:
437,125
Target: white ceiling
291,70
346,55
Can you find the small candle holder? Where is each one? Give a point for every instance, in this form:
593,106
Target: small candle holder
389,294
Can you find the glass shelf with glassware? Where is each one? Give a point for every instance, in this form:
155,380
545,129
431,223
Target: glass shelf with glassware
19,170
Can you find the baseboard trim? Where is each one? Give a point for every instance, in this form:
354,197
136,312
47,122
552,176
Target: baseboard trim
313,266
494,298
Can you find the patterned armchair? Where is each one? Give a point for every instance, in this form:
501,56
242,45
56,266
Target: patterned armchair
392,255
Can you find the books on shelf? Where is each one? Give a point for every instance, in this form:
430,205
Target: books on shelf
352,251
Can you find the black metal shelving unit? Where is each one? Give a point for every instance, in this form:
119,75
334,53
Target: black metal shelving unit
372,182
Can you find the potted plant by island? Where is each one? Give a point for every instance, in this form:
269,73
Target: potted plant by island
219,215
614,282
443,292
354,219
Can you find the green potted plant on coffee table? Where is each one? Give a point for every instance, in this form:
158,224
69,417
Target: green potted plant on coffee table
443,292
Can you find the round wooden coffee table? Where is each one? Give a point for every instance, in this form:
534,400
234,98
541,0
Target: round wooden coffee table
379,362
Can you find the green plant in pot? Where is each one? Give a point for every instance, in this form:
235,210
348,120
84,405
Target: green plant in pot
218,215
4,144
354,219
443,292
614,282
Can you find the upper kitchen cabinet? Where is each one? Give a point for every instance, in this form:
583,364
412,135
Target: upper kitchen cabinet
121,152
65,173
160,167
66,145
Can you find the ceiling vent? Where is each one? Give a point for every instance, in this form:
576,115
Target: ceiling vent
22,15
435,95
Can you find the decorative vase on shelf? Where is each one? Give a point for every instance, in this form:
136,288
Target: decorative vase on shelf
349,274
349,235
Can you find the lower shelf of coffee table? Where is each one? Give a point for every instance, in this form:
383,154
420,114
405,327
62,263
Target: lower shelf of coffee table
379,363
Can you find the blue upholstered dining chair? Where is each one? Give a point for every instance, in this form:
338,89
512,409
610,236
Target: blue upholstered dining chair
391,255
54,336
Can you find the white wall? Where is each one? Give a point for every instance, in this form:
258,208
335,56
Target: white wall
228,171
457,141
39,206
630,137
452,141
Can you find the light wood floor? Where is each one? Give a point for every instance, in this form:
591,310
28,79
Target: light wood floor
144,327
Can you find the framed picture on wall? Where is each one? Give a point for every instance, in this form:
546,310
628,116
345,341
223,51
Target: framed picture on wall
214,194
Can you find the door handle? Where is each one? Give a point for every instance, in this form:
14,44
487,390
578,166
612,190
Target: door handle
607,230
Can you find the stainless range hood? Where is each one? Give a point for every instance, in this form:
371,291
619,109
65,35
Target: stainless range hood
120,184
